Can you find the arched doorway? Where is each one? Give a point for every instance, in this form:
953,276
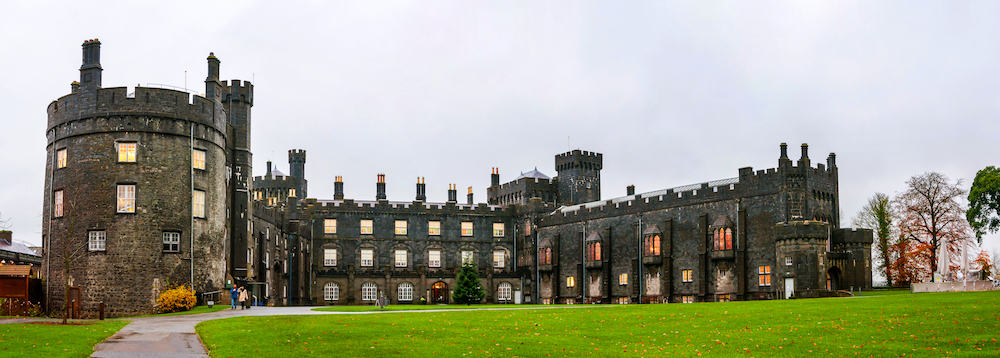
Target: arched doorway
833,279
439,292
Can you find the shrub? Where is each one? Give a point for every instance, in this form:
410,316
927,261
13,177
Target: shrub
468,291
176,299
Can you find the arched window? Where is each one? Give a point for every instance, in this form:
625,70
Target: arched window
369,291
546,256
723,238
594,251
331,292
504,291
729,239
404,292
653,245
716,239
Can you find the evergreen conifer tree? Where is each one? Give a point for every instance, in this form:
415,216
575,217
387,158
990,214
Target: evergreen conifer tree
468,291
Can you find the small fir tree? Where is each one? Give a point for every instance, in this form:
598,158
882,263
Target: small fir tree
468,291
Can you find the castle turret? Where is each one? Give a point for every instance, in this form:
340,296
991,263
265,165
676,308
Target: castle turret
579,176
338,188
297,170
380,187
90,71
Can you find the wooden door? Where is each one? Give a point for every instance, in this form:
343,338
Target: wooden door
439,293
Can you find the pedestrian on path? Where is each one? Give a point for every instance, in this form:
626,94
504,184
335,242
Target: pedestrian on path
243,297
235,294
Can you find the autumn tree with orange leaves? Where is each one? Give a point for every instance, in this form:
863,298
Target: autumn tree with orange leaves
930,218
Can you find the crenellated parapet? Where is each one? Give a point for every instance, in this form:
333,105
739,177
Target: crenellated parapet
383,206
237,91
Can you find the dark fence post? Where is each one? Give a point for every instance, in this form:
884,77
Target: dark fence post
101,310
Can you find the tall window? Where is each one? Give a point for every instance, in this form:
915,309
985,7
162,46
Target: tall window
404,292
198,159
61,158
126,152
96,240
400,258
329,226
57,203
466,228
434,258
723,238
126,198
434,228
498,259
622,279
546,256
764,275
329,257
198,203
468,257
504,291
369,291
291,192
788,261
366,227
171,241
594,251
400,227
331,292
367,257
687,275
570,281
498,229
653,245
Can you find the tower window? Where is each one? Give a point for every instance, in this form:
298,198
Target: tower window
61,158
764,276
570,281
96,240
788,261
198,203
126,198
594,251
546,256
171,241
622,279
723,239
653,245
198,159
57,203
126,152
687,275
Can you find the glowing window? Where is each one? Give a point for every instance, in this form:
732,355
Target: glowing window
498,229
61,158
498,259
329,226
687,275
434,228
764,275
126,152
687,299
400,258
400,227
622,279
126,198
198,203
570,281
653,245
466,228
198,159
57,203
366,227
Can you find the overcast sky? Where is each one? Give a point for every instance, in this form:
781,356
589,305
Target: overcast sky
671,93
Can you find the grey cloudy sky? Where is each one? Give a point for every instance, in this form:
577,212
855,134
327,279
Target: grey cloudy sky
672,93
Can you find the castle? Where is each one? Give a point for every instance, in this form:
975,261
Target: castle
148,187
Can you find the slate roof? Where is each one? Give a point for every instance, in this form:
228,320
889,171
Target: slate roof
533,174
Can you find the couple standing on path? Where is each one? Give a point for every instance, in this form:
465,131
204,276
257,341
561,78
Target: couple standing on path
239,295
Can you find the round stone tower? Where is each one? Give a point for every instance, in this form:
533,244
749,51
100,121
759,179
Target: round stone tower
135,193
801,249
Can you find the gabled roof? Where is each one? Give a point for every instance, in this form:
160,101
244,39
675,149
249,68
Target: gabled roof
651,230
594,235
533,174
722,221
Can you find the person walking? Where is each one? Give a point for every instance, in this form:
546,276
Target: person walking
234,296
243,297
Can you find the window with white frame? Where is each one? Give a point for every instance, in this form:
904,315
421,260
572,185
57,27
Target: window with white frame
367,257
96,240
687,275
367,227
400,227
126,152
400,258
622,279
171,241
329,257
198,203
434,258
434,228
329,226
498,259
504,291
61,158
498,229
126,198
331,291
468,257
57,203
369,291
788,261
198,159
687,299
404,292
466,228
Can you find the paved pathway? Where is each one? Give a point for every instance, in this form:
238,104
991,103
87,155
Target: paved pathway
174,336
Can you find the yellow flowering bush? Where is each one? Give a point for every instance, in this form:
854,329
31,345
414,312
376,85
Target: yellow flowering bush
176,299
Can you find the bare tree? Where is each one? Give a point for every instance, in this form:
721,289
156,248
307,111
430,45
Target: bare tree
930,214
877,215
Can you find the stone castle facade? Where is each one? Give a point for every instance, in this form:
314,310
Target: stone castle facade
148,187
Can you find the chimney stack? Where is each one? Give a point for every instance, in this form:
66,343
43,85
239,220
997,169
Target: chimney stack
630,190
90,71
421,189
452,193
469,196
338,188
268,175
831,161
804,160
783,160
495,177
380,187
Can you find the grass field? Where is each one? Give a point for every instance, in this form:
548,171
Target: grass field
34,340
416,307
932,324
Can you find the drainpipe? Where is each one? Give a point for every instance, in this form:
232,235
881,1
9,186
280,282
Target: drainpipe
312,233
538,292
514,260
191,171
583,265
639,260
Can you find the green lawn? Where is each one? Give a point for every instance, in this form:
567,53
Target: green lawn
930,324
416,307
25,339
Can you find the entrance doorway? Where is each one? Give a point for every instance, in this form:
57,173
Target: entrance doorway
439,292
789,287
833,279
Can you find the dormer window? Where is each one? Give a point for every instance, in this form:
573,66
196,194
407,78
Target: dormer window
594,251
652,245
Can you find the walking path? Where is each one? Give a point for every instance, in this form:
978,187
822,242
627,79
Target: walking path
174,336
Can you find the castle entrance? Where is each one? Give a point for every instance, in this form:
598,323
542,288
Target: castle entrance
439,292
833,279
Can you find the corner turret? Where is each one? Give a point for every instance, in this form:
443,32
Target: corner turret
579,176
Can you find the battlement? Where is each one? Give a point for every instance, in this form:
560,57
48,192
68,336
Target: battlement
852,236
277,181
142,102
236,90
296,155
568,159
511,184
805,229
415,207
